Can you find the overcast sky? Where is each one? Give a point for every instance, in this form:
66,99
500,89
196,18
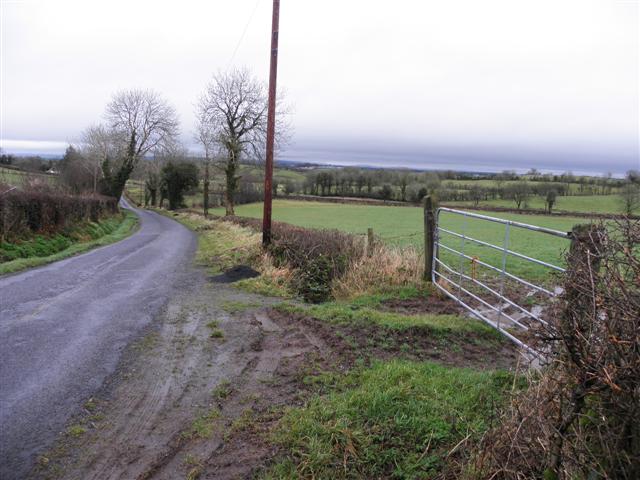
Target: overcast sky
454,84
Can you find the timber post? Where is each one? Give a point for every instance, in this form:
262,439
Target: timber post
429,236
369,241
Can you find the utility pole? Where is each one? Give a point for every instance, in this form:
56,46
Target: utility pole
271,125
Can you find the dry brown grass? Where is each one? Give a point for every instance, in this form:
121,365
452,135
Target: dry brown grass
386,267
277,275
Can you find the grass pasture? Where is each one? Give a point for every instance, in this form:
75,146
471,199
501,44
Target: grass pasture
135,191
404,226
18,178
569,203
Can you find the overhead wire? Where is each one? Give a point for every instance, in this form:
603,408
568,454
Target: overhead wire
244,32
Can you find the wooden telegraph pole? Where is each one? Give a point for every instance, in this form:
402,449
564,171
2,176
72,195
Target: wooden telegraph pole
271,127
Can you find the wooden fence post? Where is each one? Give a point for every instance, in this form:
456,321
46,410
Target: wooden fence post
429,234
586,244
369,241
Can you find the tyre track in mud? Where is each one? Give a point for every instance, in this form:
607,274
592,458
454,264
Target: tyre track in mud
173,378
146,419
65,325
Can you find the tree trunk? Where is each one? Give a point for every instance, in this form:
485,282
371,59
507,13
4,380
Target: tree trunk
205,199
231,180
113,185
228,203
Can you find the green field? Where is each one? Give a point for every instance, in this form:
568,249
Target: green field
17,178
404,226
572,203
135,191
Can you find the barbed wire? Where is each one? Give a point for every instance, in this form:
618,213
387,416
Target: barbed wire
395,237
398,237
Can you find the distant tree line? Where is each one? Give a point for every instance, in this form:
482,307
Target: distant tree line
368,183
408,186
30,163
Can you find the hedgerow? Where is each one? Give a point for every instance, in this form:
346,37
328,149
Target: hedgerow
28,212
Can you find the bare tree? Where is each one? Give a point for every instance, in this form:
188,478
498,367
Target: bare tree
73,172
152,178
145,121
633,176
519,192
476,193
206,136
234,106
98,143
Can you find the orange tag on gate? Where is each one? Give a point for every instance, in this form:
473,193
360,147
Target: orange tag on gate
474,267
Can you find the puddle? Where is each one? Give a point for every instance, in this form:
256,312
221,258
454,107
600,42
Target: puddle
235,274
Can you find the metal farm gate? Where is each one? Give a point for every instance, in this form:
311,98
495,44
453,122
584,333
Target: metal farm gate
491,292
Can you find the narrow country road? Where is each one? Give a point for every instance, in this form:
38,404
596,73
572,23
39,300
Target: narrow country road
63,328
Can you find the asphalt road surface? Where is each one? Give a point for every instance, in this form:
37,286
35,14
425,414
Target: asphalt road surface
63,328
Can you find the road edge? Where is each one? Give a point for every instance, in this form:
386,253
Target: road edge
129,225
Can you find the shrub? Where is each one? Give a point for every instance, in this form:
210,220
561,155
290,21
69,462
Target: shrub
314,280
318,257
177,178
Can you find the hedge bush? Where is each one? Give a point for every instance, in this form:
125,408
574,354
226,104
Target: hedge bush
317,256
24,213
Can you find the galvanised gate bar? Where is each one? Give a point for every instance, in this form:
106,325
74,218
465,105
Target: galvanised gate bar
449,277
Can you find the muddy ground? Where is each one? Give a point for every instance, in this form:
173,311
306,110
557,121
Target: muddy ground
196,399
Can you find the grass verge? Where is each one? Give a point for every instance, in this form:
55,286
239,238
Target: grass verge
78,240
396,419
340,313
367,311
203,425
222,245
